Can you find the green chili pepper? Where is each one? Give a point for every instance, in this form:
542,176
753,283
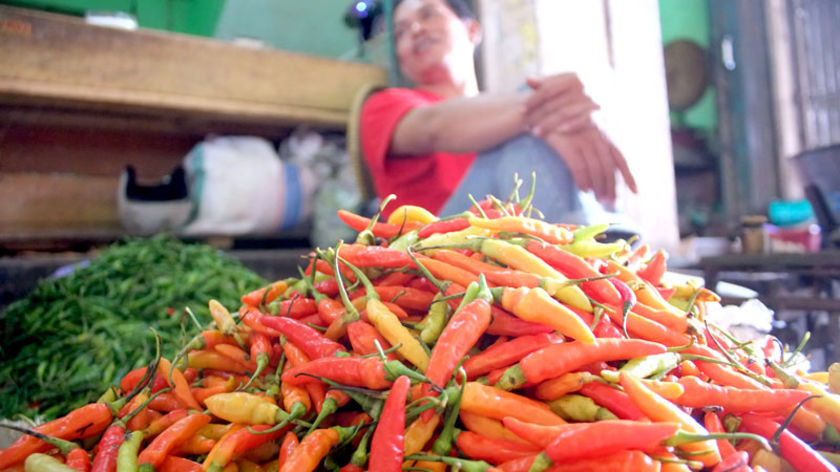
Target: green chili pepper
573,407
127,454
643,367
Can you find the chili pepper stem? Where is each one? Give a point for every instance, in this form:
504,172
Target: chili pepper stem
443,444
367,237
328,408
805,338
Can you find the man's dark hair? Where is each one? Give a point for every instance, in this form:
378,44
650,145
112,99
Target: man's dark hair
460,7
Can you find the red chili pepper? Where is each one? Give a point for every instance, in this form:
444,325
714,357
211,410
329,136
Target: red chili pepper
363,337
290,442
800,455
260,353
328,287
324,267
83,422
296,358
406,297
368,372
131,379
105,459
458,337
361,255
666,292
699,394
251,317
557,359
505,324
179,464
575,267
296,307
738,461
386,449
614,400
655,269
78,459
593,440
265,295
507,353
313,343
381,230
171,438
624,461
494,451
396,278
712,422
443,226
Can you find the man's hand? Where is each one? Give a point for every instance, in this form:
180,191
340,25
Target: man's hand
593,160
559,104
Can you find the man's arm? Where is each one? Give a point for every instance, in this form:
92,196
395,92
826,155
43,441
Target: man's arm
460,125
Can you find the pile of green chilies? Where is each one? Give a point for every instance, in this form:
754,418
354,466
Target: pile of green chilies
65,343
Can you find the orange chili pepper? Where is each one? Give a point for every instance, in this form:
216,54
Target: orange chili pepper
171,438
308,454
535,305
180,386
494,403
659,409
492,428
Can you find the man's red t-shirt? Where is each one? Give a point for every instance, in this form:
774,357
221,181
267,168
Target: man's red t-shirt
426,181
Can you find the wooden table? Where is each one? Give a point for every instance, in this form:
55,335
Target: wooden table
783,278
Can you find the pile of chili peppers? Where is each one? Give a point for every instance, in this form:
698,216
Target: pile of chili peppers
490,340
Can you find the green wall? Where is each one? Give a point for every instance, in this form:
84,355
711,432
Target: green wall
196,17
689,19
308,26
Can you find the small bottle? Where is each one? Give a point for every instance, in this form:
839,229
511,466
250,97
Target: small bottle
754,238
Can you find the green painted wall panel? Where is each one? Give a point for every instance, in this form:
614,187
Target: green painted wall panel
689,19
312,27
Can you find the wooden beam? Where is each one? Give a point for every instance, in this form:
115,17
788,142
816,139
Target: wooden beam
55,60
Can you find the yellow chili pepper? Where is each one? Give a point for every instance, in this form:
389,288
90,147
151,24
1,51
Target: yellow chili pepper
409,214
644,291
827,405
519,258
548,232
224,321
245,408
834,377
464,236
534,304
390,327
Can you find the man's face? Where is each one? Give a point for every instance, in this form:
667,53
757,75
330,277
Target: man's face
429,36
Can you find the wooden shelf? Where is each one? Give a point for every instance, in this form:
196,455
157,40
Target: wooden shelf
80,102
60,63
